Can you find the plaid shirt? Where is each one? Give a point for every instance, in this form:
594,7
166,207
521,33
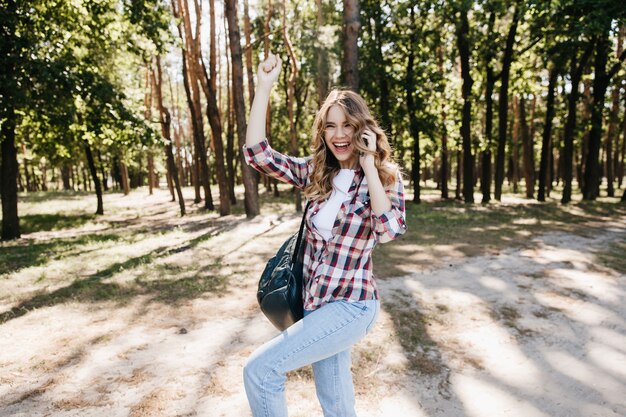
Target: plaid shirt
340,268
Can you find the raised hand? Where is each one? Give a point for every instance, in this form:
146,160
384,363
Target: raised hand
367,159
268,71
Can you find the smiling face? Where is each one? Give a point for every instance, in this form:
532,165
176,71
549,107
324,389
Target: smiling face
338,133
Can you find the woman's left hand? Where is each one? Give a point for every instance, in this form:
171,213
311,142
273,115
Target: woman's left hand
365,159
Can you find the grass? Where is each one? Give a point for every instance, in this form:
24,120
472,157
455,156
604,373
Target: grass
614,257
436,229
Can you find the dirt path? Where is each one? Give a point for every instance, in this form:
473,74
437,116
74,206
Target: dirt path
533,332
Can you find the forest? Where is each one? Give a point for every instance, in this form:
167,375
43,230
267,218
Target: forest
478,97
134,233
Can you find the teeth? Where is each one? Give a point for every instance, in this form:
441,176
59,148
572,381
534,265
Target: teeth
341,145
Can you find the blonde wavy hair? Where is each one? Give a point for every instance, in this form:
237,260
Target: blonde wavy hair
325,165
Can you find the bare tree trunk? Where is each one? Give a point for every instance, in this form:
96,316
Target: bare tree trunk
546,142
209,85
413,122
611,136
577,66
165,121
503,102
351,27
291,93
94,177
8,177
515,146
124,172
231,156
248,50
622,154
462,36
321,59
191,62
251,201
527,151
444,133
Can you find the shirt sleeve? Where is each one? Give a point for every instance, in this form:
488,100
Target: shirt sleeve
392,223
289,169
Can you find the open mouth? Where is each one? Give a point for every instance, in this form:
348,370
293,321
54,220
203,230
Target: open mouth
341,146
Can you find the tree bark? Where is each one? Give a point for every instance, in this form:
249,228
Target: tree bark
351,27
8,179
503,102
124,172
527,151
251,201
612,137
592,176
462,32
577,66
191,71
321,59
546,138
291,98
485,181
413,122
444,133
248,49
165,121
94,176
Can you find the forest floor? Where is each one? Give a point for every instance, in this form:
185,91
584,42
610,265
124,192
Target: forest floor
513,309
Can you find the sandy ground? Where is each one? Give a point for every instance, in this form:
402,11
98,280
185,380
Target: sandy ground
532,332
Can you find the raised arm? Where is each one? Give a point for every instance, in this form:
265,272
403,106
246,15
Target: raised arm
257,151
267,75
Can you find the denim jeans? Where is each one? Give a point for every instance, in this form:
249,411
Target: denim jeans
323,338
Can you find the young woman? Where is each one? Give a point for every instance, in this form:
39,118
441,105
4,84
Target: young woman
357,201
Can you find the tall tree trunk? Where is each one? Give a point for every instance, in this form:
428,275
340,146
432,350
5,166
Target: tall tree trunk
622,154
25,164
576,70
527,151
66,172
251,201
592,175
444,133
611,136
321,59
291,98
209,85
351,26
381,73
546,138
462,32
150,172
231,157
125,183
587,104
94,176
165,121
503,102
248,49
515,146
8,179
191,72
410,104
485,182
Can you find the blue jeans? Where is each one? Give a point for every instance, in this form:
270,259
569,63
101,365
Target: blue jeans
323,338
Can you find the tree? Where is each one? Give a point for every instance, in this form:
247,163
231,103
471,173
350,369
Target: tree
463,45
351,27
250,188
